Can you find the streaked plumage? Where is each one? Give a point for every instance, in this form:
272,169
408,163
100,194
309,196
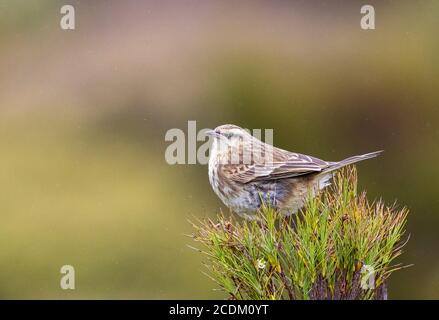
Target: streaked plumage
244,172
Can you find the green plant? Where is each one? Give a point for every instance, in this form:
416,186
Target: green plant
339,246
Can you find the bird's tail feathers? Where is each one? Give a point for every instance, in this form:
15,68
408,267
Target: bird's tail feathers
351,160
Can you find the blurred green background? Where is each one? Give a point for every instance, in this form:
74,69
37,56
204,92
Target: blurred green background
83,115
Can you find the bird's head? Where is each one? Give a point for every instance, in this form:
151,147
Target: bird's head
230,141
229,135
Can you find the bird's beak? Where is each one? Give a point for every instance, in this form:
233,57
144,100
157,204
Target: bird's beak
212,133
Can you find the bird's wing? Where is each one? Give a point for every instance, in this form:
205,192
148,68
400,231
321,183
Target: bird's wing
284,165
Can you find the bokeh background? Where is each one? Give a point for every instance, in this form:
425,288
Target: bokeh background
83,116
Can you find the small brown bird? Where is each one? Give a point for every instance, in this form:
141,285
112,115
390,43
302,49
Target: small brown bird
245,172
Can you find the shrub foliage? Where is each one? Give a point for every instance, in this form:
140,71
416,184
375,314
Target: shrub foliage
339,246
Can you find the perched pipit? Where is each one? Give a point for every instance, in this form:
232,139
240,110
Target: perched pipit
245,172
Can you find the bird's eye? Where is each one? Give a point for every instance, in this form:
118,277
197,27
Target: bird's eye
225,134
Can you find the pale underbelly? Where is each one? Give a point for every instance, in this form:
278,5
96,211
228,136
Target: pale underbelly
250,198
